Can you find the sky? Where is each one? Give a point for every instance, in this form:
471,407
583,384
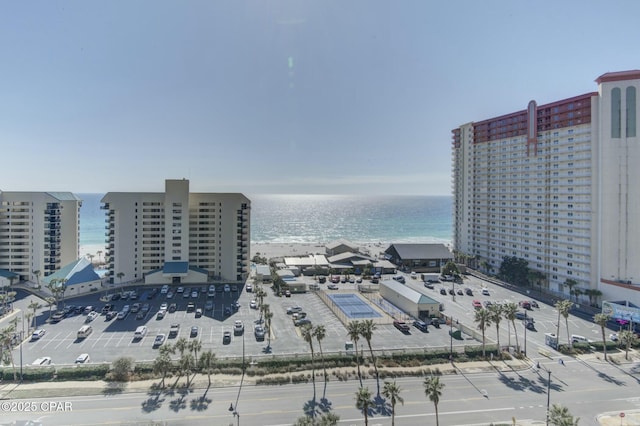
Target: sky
290,97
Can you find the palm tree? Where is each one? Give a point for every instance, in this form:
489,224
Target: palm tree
50,302
99,253
563,307
627,338
353,331
6,347
570,282
320,332
495,316
120,275
433,390
483,319
186,364
364,402
392,391
602,320
207,360
90,256
181,345
367,327
162,365
268,315
263,308
509,311
195,346
560,416
307,334
34,306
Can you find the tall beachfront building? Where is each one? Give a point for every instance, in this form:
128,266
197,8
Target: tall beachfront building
177,236
557,185
39,232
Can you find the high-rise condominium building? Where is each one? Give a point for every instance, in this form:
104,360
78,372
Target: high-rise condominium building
556,185
39,232
177,236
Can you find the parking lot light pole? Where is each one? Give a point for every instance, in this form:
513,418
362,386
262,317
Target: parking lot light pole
451,339
525,333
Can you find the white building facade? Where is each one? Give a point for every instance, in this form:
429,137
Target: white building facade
177,230
555,184
39,232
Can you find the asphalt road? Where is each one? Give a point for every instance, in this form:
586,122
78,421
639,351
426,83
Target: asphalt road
586,388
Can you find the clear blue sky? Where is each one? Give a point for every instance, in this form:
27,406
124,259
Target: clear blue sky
281,96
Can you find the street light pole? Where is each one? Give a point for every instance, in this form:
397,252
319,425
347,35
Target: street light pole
21,340
548,393
525,333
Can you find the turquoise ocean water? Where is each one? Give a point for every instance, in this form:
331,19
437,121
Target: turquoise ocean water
321,219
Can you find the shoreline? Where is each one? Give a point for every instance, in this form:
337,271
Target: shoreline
273,249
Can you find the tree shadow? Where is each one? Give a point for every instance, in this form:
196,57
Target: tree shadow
325,405
521,383
200,404
382,406
178,404
114,388
604,375
153,402
310,408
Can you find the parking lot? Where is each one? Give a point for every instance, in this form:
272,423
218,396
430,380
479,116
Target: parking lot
113,338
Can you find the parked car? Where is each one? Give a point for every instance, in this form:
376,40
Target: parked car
259,332
401,325
226,337
249,288
428,285
161,313
194,294
302,321
287,293
82,359
253,304
38,334
159,340
122,315
194,331
174,329
135,308
443,291
92,315
399,278
45,360
111,315
614,337
476,304
180,290
173,307
520,315
420,325
209,305
485,292
164,289
525,304
170,295
238,328
234,288
227,288
332,286
451,292
198,312
164,306
191,306
293,309
107,308
468,291
460,293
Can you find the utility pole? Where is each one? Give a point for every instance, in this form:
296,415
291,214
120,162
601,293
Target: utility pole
548,393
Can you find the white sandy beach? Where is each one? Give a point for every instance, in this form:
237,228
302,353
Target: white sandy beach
268,250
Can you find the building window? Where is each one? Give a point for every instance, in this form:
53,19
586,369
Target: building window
631,112
615,112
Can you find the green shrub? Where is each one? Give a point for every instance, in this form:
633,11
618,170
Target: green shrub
84,372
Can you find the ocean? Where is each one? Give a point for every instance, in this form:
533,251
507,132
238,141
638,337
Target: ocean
318,219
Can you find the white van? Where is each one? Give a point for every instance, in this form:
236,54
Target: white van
140,332
576,338
84,331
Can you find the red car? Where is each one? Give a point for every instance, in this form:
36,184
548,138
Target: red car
477,304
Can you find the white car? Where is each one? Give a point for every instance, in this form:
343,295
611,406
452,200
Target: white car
227,289
45,360
82,359
614,337
253,304
180,290
485,292
164,306
164,289
92,315
38,334
238,328
294,309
